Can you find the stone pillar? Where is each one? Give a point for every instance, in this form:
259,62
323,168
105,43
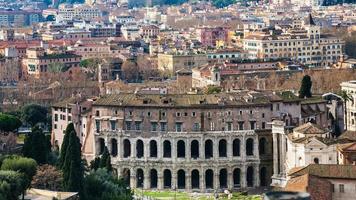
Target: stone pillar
120,148
243,176
283,154
229,148
255,148
174,180
202,149
230,179
133,149
243,147
133,178
188,181
257,175
174,150
216,179
202,180
215,148
275,154
159,148
159,180
146,150
187,150
146,179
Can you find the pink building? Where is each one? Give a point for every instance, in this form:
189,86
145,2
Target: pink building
210,36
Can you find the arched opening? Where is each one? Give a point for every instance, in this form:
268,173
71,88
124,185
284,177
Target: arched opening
127,148
263,176
153,149
209,179
222,148
194,149
236,147
237,177
101,145
181,149
139,149
139,178
114,147
167,152
223,178
262,146
126,176
195,179
167,178
249,147
181,179
249,176
153,178
316,160
208,149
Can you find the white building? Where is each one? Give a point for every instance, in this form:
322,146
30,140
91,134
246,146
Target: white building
68,12
350,88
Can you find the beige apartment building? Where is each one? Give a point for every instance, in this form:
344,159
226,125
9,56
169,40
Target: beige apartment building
306,45
173,62
191,142
37,62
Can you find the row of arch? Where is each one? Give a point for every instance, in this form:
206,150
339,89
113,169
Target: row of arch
195,178
181,148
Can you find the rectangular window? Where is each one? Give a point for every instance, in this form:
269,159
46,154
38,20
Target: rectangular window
177,114
137,126
153,126
97,126
69,118
241,125
178,126
252,125
196,127
229,126
342,188
163,126
193,114
55,126
128,125
55,117
97,113
113,125
263,125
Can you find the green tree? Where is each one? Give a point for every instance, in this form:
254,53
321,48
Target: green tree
37,146
63,153
95,164
48,178
34,114
305,88
11,184
101,184
73,168
105,161
9,123
26,166
222,3
346,97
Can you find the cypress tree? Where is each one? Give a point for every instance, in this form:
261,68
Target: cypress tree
305,88
105,161
36,146
73,169
70,128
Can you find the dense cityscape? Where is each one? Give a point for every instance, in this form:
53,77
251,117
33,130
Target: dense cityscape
177,99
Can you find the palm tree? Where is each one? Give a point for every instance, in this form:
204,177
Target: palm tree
346,97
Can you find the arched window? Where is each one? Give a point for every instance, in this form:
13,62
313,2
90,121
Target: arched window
316,160
181,179
167,178
153,148
153,178
236,147
249,147
222,148
263,176
167,152
194,149
139,149
249,176
127,148
223,178
262,146
208,149
209,179
139,178
195,179
181,149
101,145
237,178
114,147
126,175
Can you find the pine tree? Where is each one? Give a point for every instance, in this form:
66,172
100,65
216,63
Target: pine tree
65,142
305,88
73,169
37,146
105,161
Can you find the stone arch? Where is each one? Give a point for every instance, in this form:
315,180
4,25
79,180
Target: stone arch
126,173
249,147
195,179
153,149
181,149
262,146
167,149
101,145
181,179
139,149
249,176
222,148
236,147
139,178
209,179
208,149
153,178
114,147
127,148
223,178
237,177
167,178
316,160
194,149
263,176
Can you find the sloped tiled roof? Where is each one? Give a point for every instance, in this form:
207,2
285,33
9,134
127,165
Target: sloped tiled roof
309,128
328,171
348,136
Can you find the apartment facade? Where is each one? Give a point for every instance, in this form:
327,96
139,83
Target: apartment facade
212,36
67,12
174,62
